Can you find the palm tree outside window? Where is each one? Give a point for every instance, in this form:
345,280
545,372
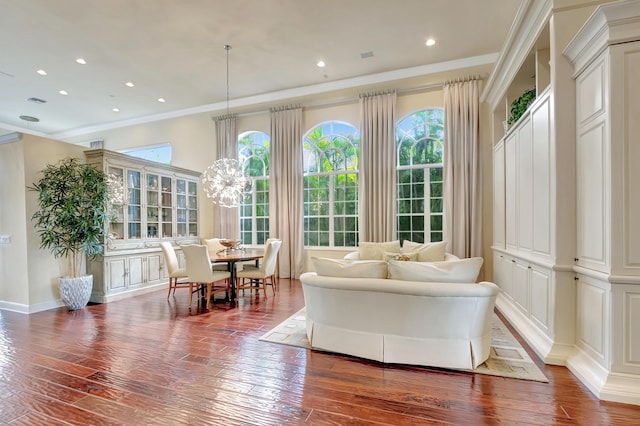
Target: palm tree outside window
419,141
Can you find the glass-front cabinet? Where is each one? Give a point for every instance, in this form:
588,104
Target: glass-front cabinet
155,203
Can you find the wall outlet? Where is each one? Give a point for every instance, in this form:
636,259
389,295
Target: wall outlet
5,239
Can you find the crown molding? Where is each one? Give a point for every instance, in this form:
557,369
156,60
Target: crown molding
531,18
295,93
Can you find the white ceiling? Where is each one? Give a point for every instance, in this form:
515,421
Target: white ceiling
174,49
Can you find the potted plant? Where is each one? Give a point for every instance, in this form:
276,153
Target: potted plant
519,105
71,215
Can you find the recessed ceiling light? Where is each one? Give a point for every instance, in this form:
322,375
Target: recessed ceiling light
129,84
29,118
430,42
321,64
42,72
81,61
63,92
37,100
115,110
161,100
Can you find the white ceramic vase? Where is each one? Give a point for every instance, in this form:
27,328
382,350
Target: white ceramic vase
75,292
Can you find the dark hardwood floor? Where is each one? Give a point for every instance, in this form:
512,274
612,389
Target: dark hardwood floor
150,361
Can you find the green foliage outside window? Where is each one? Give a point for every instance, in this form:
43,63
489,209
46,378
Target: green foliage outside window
419,139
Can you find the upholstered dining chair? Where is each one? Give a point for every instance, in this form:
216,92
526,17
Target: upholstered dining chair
265,274
176,274
200,273
214,247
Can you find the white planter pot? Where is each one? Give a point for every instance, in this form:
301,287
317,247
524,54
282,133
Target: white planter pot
75,292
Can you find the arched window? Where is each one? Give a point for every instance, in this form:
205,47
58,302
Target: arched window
419,139
253,153
331,152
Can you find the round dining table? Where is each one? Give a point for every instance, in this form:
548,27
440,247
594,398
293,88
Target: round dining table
231,257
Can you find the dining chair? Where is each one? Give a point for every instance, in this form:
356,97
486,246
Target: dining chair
265,274
213,248
173,268
200,273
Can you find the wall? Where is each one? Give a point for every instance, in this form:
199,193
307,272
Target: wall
14,288
28,276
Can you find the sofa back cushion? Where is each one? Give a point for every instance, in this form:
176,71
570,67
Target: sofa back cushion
453,271
374,251
427,252
345,268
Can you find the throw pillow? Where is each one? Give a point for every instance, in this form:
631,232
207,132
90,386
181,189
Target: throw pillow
345,268
374,251
401,257
427,252
453,271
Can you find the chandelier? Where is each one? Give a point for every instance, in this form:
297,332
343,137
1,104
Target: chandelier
224,182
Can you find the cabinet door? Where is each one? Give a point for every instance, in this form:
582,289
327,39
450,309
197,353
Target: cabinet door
521,286
152,196
524,175
116,274
510,191
154,268
181,208
498,196
540,303
192,213
134,205
541,178
166,207
135,273
116,210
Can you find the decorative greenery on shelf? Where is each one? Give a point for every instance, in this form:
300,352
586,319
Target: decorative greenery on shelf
519,106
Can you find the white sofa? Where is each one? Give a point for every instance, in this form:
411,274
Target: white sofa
439,324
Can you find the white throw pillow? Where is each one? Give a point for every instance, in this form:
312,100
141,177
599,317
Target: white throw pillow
345,268
374,251
427,252
453,271
401,257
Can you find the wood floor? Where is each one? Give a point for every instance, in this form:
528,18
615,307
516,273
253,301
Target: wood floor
150,361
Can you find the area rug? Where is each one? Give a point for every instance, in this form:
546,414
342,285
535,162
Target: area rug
507,359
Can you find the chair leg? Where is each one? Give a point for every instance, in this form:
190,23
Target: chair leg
264,287
190,293
170,286
208,294
273,283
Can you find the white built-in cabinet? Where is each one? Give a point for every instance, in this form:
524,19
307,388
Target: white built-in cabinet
523,187
159,203
606,58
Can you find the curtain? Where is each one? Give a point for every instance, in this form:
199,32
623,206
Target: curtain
462,191
286,189
377,169
228,223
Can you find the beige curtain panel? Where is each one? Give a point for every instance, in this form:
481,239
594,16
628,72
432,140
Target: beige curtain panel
228,223
286,190
377,171
462,174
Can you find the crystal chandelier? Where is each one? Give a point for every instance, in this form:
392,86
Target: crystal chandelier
224,182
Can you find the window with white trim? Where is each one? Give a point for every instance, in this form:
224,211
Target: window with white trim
253,153
331,151
419,142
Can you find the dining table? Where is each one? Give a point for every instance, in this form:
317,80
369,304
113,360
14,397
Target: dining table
231,258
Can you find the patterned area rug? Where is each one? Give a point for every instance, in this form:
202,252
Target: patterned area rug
507,359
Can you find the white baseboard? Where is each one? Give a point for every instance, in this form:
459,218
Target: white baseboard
30,309
549,351
606,385
129,293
